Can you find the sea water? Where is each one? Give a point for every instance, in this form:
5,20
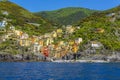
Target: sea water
59,71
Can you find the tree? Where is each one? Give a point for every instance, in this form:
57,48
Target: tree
4,0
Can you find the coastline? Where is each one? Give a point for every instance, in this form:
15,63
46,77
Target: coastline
81,61
93,58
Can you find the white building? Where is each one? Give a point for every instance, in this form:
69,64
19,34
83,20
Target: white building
96,45
36,48
5,13
79,40
111,14
35,24
24,36
3,24
12,28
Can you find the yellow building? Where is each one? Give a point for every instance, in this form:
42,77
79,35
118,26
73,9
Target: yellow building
18,33
34,39
54,34
59,31
61,43
24,42
75,48
41,42
70,29
71,42
49,41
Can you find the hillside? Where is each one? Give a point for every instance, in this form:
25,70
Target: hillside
66,16
101,27
22,19
16,22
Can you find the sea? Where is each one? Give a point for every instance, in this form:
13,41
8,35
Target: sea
59,71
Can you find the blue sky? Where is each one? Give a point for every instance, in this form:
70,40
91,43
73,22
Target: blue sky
45,5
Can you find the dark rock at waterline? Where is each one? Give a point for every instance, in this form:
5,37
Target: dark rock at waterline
21,57
114,57
71,56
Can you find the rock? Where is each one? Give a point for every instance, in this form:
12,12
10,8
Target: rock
21,57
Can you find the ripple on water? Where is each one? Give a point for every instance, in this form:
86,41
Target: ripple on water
59,71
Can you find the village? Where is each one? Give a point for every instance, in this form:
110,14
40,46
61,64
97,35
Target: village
46,44
55,45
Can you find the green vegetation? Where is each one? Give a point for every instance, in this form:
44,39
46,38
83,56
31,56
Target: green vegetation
66,16
3,0
19,17
110,38
9,46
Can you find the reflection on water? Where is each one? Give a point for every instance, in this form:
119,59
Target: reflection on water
59,71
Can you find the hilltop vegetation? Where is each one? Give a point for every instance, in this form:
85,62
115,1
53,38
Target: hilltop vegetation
66,16
103,27
20,17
